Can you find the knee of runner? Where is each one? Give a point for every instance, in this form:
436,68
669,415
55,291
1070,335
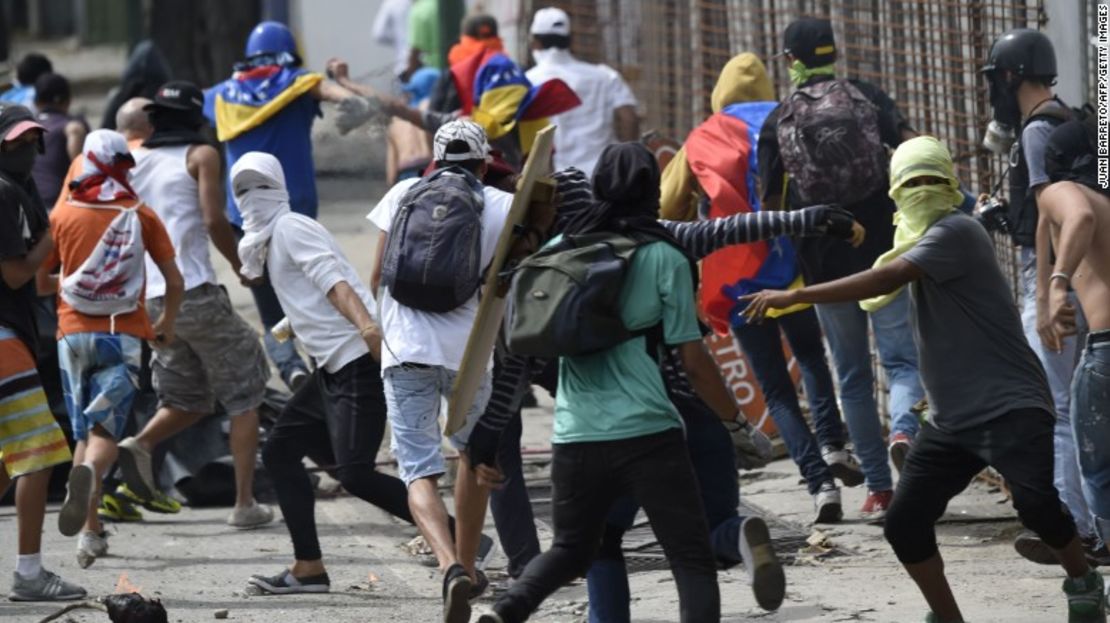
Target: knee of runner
1045,516
910,534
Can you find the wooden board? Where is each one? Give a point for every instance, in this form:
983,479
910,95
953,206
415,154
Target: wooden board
491,309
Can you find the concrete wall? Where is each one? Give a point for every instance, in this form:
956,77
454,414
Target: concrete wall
1066,28
342,28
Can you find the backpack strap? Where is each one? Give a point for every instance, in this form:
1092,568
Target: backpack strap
1056,114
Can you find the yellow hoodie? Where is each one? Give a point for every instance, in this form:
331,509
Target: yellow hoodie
742,79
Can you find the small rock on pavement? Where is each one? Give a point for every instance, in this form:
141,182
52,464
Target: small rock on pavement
220,614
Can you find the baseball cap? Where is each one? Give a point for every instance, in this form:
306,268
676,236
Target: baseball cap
177,95
551,21
15,120
460,140
810,40
51,89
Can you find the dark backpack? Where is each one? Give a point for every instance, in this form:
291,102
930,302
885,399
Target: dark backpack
830,145
565,299
433,256
1071,152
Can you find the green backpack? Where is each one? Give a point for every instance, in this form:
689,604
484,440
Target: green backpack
565,298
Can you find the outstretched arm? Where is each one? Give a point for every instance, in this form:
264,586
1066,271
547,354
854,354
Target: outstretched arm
857,287
700,238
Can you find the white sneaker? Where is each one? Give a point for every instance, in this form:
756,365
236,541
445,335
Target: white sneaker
91,546
47,586
137,468
253,516
827,503
843,465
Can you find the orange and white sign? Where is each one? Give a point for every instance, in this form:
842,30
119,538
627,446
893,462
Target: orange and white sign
740,378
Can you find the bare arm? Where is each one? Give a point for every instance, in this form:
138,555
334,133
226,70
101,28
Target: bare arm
706,380
17,271
75,138
327,91
203,163
626,123
348,303
857,287
376,272
175,291
1066,208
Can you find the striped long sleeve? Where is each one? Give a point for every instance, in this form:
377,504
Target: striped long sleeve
700,238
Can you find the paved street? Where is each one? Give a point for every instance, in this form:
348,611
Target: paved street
197,565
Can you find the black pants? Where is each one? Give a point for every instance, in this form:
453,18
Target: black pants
337,419
510,506
940,465
586,479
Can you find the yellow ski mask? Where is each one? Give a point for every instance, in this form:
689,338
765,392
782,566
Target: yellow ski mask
920,206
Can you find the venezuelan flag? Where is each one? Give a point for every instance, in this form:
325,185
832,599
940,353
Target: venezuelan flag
252,96
722,156
496,94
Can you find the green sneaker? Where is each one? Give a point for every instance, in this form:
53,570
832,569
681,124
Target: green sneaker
160,503
113,508
1086,599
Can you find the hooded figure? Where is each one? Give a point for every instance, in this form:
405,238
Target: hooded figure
626,192
259,187
919,206
716,168
146,70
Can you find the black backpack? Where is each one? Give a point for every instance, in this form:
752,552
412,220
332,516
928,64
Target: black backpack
433,255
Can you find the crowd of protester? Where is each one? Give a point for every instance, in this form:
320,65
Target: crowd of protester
823,216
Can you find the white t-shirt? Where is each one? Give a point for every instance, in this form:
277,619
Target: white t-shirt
304,264
587,129
161,177
414,336
391,28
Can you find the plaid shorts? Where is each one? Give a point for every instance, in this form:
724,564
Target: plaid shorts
30,439
100,373
216,356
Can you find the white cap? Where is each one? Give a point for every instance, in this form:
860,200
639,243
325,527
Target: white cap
477,148
551,21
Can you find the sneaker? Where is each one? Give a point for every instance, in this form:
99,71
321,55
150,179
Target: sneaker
46,587
456,595
491,617
1098,555
1030,547
875,506
899,448
138,472
160,503
1086,599
285,583
480,586
253,516
827,503
91,546
843,465
75,510
764,570
485,548
114,508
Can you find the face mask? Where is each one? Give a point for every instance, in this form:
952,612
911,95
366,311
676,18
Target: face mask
921,206
542,56
800,73
998,138
1004,102
19,161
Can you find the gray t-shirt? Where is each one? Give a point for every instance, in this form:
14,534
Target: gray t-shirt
1034,138
975,362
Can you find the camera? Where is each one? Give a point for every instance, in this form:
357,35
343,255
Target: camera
992,214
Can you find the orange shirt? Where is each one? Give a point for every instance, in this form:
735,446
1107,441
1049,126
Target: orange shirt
76,232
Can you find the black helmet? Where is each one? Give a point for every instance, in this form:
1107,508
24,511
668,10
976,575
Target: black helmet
1025,52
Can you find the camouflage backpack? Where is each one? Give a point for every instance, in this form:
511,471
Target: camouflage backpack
829,140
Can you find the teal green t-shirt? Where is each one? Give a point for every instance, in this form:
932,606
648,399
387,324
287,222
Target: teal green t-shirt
424,32
619,393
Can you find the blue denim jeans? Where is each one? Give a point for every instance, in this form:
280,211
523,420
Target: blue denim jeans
762,343
845,326
413,397
714,462
1091,421
1060,368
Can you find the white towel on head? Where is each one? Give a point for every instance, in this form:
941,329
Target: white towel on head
258,183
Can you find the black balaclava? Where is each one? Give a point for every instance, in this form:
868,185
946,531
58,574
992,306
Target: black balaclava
175,127
626,193
1004,101
17,163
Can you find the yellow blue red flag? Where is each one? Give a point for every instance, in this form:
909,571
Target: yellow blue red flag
252,96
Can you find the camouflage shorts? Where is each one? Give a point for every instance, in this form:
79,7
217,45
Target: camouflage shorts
216,356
